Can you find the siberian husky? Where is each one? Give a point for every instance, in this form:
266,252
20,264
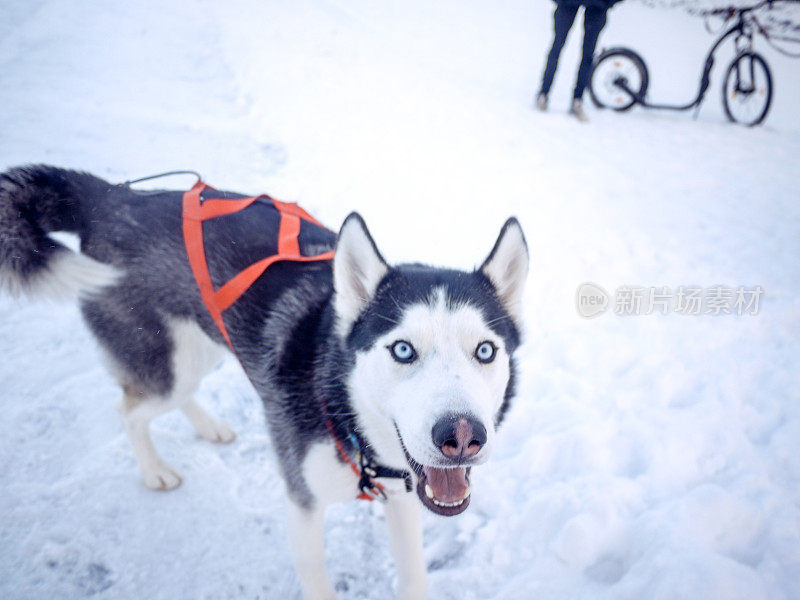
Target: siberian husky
377,380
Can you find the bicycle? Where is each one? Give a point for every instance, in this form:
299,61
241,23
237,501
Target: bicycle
620,78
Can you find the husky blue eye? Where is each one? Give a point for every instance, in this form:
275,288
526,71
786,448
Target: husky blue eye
485,352
403,352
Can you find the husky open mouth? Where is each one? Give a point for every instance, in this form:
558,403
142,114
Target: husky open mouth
442,490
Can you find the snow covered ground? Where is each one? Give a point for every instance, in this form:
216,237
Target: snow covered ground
647,457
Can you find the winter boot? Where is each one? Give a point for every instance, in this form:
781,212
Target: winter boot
576,110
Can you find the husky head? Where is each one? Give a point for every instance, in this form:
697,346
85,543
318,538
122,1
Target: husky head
432,368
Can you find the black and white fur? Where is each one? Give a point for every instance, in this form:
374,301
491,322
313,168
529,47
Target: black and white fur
309,335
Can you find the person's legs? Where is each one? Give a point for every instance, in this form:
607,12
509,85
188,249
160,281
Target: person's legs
593,22
563,17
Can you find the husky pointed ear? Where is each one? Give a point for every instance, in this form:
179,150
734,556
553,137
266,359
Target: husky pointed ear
507,267
358,267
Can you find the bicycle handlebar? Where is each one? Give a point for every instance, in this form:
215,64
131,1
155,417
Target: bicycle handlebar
731,11
742,12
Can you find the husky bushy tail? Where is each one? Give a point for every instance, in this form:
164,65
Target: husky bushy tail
35,201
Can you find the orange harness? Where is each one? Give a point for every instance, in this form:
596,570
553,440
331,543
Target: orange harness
197,210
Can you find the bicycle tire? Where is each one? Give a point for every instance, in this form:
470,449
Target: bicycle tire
765,91
618,62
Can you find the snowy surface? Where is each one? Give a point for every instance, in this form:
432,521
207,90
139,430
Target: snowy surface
648,457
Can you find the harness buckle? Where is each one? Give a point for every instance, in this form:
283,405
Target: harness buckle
371,488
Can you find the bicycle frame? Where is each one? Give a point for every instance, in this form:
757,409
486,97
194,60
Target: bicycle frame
705,80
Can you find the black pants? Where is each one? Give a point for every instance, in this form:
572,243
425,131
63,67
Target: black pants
593,22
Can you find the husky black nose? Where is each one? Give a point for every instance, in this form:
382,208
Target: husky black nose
459,436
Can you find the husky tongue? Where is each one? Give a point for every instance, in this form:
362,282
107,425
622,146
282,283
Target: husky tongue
448,485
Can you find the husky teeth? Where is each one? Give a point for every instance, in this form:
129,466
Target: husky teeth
429,493
449,504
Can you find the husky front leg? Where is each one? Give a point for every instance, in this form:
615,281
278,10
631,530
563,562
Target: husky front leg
307,545
405,531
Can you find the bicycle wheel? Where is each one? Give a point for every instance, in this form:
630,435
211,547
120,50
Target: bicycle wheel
747,91
613,67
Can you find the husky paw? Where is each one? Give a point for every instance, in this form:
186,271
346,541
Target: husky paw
161,477
217,431
208,426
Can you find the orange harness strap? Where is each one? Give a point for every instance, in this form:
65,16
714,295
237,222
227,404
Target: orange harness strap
195,211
